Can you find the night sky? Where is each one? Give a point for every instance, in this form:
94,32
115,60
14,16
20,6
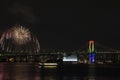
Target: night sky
64,28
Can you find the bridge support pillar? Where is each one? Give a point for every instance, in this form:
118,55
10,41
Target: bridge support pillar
91,52
92,57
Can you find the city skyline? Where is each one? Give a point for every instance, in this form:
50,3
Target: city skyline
64,28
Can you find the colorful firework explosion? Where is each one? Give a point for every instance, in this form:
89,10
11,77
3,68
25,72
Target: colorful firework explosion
19,39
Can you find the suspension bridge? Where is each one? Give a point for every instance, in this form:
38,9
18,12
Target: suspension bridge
91,52
95,52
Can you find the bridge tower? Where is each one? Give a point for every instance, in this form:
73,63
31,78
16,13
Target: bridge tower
91,51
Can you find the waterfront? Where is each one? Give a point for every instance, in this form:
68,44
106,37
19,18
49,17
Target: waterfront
33,71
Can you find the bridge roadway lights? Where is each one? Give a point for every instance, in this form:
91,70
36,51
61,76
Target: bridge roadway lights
10,57
93,57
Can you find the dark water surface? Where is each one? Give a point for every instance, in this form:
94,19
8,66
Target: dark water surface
32,71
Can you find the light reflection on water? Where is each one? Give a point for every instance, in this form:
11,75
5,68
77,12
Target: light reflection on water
11,71
31,71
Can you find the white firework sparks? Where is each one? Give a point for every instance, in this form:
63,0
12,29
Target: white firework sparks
21,35
20,39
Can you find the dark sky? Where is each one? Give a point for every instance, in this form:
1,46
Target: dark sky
65,28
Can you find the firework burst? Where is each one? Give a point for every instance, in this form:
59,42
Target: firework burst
21,35
19,38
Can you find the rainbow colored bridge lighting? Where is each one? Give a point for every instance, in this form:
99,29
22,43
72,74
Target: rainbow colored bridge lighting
91,46
91,51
